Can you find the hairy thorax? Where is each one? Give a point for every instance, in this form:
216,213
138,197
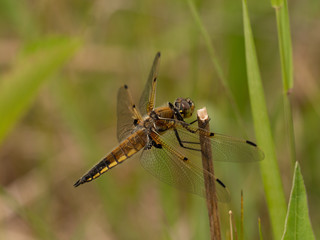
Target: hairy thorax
159,119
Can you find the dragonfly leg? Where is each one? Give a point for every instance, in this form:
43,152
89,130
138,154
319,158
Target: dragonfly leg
182,142
151,143
194,121
186,126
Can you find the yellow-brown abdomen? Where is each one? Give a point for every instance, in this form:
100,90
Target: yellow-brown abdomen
126,149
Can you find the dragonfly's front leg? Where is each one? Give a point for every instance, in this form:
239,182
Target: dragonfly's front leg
181,143
185,125
193,121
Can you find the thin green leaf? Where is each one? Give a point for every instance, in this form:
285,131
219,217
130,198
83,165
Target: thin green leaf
269,167
260,230
285,45
276,3
21,85
285,48
215,61
297,224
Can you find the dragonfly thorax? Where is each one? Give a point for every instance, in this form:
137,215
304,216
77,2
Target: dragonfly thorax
185,106
157,119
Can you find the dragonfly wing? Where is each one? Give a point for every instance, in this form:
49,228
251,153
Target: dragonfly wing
224,148
177,168
147,99
126,114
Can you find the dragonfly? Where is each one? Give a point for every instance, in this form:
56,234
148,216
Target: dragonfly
169,146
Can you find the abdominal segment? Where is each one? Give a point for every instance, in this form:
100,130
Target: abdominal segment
126,149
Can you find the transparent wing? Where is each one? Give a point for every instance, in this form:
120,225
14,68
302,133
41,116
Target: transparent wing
224,148
126,114
147,99
178,167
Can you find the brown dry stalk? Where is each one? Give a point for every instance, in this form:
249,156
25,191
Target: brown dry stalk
233,228
209,180
231,225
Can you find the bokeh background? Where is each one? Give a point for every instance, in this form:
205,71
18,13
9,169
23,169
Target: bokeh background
71,124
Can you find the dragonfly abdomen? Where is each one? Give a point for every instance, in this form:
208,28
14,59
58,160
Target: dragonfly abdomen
125,150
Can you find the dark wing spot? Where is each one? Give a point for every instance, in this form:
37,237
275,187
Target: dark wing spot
251,143
125,86
135,122
133,106
155,79
211,134
185,159
221,183
158,54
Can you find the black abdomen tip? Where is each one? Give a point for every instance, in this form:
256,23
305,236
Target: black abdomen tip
78,183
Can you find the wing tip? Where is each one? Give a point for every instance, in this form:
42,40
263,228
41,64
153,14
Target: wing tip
223,193
158,54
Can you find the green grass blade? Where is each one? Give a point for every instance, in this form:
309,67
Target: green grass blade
285,45
297,224
260,230
269,167
21,85
276,3
215,61
285,48
289,128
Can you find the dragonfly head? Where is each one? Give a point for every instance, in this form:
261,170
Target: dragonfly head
185,106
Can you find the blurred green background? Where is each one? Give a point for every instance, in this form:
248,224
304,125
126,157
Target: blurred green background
70,123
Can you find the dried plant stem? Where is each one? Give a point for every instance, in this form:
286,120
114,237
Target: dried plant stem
233,227
230,222
209,180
